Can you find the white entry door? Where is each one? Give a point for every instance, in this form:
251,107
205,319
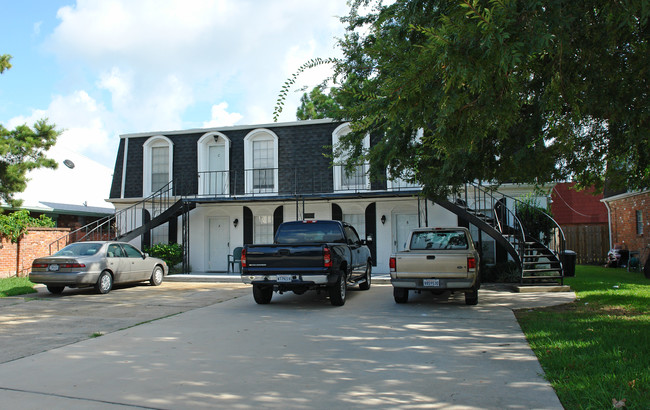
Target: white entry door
404,223
218,243
217,177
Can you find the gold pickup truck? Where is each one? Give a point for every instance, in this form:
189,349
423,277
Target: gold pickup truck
437,260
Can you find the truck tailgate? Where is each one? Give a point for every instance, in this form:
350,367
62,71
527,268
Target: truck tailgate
285,258
451,264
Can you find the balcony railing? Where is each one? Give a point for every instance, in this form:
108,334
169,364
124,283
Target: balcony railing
283,181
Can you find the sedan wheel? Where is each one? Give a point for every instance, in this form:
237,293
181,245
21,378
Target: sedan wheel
157,276
104,283
57,290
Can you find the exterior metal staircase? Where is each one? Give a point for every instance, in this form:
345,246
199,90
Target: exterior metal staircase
129,223
539,255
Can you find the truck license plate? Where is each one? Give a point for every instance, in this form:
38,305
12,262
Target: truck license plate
434,283
284,278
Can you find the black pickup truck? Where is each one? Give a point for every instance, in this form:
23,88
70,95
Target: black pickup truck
308,255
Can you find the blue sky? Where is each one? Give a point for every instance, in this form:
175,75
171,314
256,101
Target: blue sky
102,68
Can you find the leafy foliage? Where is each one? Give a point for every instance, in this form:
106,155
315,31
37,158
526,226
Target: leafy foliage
22,150
499,90
172,253
317,105
16,224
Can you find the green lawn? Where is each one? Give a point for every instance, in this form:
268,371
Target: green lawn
15,286
597,348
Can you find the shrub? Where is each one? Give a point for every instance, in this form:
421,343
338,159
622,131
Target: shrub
171,253
536,220
16,224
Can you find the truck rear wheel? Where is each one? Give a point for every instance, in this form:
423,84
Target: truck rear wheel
262,294
401,295
471,297
338,291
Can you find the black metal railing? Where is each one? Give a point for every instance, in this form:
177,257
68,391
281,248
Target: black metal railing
122,221
488,205
292,181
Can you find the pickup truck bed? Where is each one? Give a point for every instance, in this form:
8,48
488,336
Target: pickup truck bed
437,260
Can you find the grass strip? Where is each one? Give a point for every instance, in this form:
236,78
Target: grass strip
596,351
15,286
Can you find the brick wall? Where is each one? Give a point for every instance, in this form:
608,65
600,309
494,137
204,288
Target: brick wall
624,223
16,259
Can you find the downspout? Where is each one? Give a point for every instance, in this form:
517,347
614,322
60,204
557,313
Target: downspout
124,162
609,221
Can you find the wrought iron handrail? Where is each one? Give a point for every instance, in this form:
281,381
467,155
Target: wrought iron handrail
558,248
505,220
121,221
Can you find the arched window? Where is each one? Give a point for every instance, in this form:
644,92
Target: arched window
213,150
355,180
158,164
261,162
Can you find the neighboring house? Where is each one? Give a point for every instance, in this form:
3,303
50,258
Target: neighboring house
629,222
16,259
583,218
217,189
66,215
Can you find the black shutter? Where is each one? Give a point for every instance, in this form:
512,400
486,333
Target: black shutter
173,231
248,226
371,230
278,217
146,237
337,213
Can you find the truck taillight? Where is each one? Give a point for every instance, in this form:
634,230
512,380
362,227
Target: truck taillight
243,258
327,257
393,264
471,263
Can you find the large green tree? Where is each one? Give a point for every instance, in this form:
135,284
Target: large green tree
21,150
502,91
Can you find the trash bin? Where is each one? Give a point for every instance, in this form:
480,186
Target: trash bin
568,259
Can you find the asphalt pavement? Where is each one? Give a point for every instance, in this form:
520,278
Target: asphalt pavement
211,346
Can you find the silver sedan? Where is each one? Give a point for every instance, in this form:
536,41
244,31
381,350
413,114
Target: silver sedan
98,264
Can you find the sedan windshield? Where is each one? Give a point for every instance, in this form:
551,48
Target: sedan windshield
79,249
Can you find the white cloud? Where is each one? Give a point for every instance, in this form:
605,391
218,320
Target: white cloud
173,56
221,117
156,65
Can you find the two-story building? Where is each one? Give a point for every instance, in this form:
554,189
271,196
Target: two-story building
241,182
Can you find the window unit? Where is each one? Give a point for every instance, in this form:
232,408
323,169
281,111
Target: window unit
261,162
263,229
356,179
157,164
639,222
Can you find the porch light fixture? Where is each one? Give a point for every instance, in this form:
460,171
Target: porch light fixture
383,219
235,222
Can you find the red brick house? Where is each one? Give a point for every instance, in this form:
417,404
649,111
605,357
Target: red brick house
629,222
583,218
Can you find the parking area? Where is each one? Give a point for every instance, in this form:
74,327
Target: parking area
42,321
215,347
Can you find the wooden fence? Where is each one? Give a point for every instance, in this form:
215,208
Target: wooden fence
590,242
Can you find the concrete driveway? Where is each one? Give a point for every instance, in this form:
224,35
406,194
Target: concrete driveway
297,352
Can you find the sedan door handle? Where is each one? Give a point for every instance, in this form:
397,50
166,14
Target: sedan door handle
431,257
